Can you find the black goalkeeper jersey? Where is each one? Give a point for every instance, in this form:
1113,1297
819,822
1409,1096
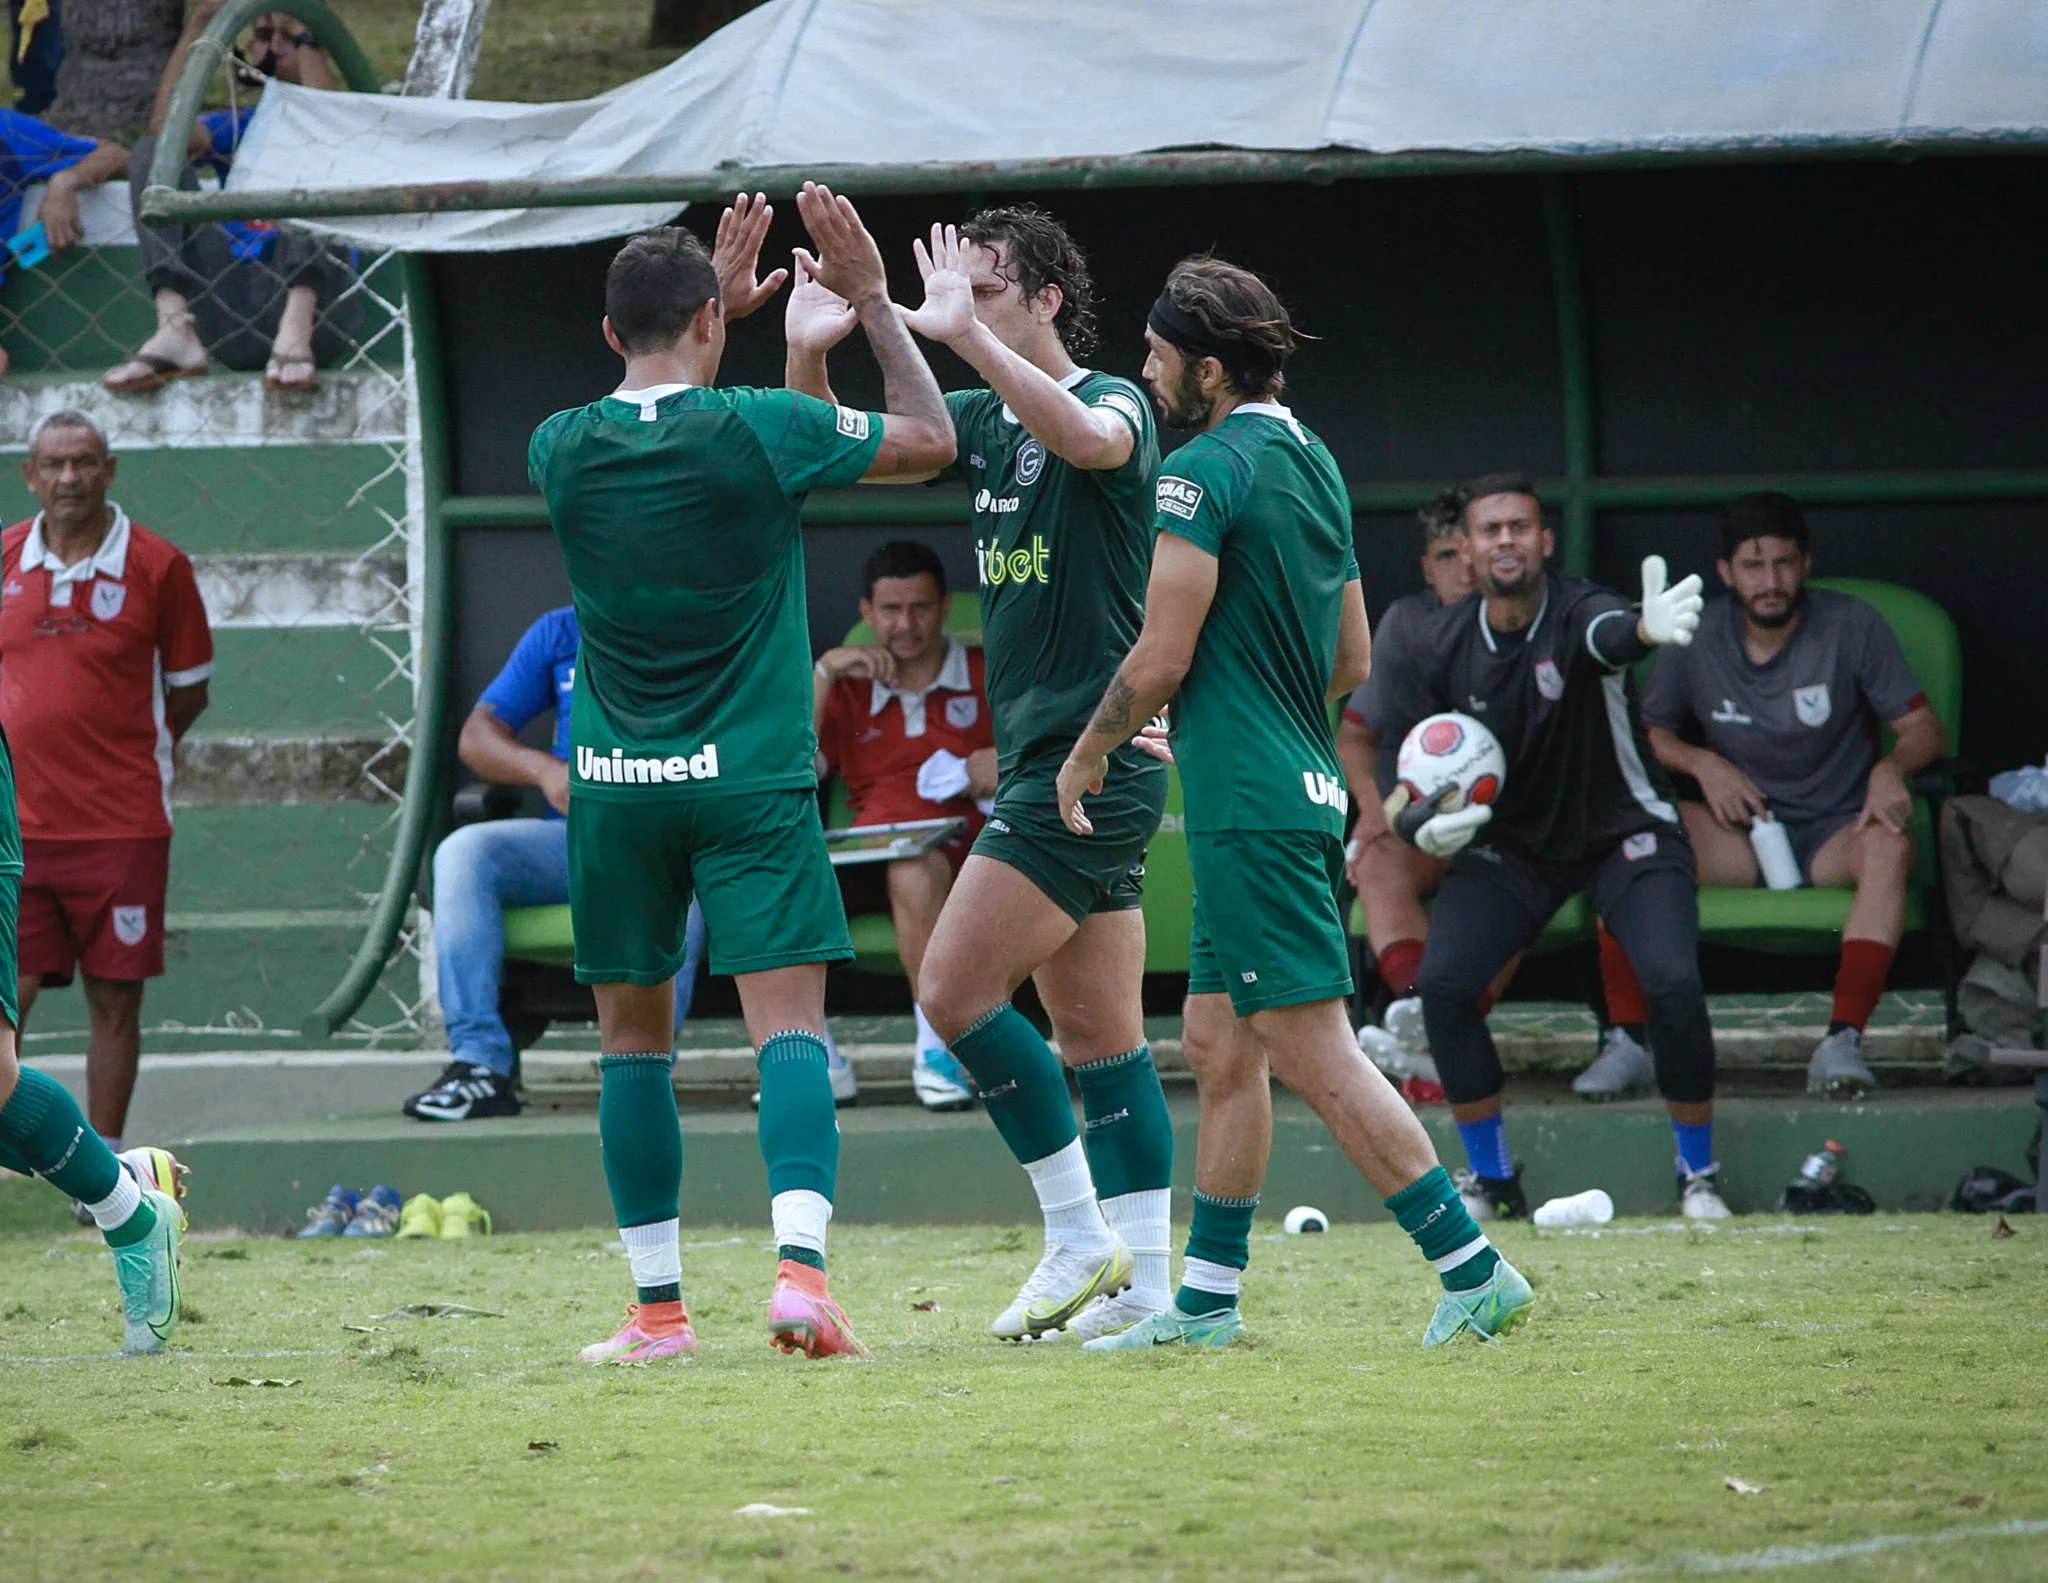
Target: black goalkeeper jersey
1559,696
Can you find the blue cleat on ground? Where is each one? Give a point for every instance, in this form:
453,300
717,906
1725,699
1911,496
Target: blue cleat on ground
377,1214
331,1218
1489,1311
148,1273
1171,1327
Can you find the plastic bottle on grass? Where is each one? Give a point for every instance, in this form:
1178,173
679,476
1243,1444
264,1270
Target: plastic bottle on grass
1590,1208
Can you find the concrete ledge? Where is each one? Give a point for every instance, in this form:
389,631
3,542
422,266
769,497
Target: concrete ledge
269,771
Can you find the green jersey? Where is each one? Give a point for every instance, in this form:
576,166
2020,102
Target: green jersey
677,511
1251,725
1063,554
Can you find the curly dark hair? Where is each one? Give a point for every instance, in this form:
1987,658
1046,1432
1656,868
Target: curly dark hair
1037,252
1237,306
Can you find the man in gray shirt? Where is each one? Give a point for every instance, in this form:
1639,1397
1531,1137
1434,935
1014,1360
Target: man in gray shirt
1788,685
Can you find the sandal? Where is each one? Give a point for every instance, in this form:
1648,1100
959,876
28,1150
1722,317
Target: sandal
292,373
148,371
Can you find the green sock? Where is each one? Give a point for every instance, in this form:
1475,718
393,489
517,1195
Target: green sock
1432,1213
642,1139
1021,1083
50,1136
1129,1135
790,1254
1219,1248
12,1159
799,1125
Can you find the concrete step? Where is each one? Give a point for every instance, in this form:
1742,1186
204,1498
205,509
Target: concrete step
351,407
300,590
281,770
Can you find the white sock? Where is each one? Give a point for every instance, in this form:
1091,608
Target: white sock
656,1251
119,1206
1066,1197
800,1219
927,1038
1222,1279
1465,1255
1144,1220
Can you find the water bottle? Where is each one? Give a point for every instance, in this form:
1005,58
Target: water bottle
1773,848
1590,1208
1820,1166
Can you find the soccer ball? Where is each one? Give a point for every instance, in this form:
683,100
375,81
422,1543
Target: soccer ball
1452,750
1302,1218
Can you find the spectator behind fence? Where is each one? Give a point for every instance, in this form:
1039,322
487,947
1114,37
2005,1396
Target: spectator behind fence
244,293
481,869
105,656
31,152
904,721
36,34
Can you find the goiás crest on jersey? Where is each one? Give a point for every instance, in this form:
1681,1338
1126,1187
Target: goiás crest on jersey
1030,463
1549,680
1179,497
1454,757
1812,704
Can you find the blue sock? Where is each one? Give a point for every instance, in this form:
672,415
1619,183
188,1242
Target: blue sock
1486,1148
1695,1146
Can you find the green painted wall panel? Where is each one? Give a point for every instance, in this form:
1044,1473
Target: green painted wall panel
281,680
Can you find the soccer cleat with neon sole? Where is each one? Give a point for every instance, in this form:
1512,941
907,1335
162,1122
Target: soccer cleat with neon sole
1109,1316
635,1344
1489,1310
1171,1327
148,1273
1065,1282
803,1318
157,1168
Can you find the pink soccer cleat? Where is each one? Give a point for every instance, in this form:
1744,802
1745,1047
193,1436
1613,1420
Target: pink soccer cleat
652,1331
803,1318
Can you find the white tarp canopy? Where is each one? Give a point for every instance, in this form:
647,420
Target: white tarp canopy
911,81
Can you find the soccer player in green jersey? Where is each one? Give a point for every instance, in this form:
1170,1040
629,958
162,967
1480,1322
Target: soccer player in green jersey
1253,621
1061,460
677,509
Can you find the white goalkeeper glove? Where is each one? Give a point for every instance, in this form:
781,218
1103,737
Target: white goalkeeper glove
1669,615
1441,835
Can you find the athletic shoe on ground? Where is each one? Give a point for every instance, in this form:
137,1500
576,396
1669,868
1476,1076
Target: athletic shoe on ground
1488,1311
331,1218
1110,1316
148,1273
376,1213
635,1345
803,1318
1837,1065
1488,1198
845,1090
1699,1195
1170,1327
421,1217
1621,1067
940,1081
80,1213
157,1168
1066,1281
463,1216
464,1092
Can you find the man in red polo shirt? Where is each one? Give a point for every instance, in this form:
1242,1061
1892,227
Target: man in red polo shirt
104,660
904,721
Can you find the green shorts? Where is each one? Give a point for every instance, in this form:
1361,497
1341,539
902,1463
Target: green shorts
756,862
1081,874
1266,926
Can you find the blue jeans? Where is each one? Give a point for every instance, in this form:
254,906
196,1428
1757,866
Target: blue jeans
479,871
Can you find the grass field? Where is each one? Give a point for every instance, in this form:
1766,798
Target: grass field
1884,1383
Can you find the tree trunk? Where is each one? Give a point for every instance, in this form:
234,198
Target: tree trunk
114,52
677,24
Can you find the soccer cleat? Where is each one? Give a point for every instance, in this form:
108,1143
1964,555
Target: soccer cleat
1699,1195
148,1273
1065,1282
1837,1066
465,1092
331,1217
940,1081
1621,1067
636,1344
803,1318
1110,1316
157,1168
421,1217
376,1214
1489,1310
1492,1198
463,1216
1171,1327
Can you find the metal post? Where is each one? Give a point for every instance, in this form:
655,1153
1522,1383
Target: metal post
1575,368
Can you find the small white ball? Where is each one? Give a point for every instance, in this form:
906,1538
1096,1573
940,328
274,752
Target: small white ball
1302,1218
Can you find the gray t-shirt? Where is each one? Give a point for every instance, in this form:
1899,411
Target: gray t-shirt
1804,724
1371,702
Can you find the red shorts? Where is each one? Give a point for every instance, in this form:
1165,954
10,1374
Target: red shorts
96,905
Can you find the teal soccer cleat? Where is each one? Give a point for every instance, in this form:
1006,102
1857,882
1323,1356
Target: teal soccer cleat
1170,1327
1489,1311
148,1272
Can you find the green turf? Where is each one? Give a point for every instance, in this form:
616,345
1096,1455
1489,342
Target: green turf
1878,1380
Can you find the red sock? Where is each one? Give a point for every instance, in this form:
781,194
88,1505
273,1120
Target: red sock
1860,980
1625,999
1399,964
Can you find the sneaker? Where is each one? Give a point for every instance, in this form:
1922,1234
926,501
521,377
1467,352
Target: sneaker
1489,1311
157,1168
464,1092
1065,1282
463,1216
1111,1316
1699,1195
635,1344
803,1318
148,1273
1621,1067
1837,1065
1489,1198
376,1214
331,1218
421,1217
940,1081
1170,1326
845,1089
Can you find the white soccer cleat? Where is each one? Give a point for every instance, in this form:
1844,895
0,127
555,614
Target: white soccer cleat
1065,1282
1112,1316
1699,1196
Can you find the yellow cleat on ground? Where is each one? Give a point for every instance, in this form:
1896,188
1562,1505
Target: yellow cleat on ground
421,1216
463,1216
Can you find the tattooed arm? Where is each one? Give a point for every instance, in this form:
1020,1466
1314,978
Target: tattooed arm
1177,600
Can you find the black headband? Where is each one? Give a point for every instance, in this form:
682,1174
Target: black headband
1174,324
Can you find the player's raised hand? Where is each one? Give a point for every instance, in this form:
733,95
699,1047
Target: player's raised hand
1076,779
817,318
948,311
1669,615
847,260
736,256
